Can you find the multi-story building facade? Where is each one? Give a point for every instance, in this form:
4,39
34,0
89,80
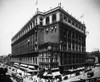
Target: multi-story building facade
50,39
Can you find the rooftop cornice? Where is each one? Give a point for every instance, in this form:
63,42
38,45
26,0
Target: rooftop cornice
71,16
45,13
51,10
61,9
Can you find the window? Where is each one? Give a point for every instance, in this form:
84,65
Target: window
72,23
82,28
29,27
56,59
69,20
44,54
23,32
40,55
47,20
42,59
33,24
54,18
65,18
73,47
61,16
26,30
76,25
47,59
41,21
79,27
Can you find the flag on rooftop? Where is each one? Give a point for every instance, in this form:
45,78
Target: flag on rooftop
36,2
82,16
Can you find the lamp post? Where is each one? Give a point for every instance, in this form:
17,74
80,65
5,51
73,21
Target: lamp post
50,56
49,51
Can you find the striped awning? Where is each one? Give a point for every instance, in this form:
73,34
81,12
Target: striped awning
23,65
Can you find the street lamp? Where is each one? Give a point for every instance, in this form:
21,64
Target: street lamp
50,56
36,46
60,46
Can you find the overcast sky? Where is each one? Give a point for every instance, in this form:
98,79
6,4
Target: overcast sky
15,13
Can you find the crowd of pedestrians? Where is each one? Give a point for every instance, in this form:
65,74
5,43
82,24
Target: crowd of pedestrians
18,79
3,76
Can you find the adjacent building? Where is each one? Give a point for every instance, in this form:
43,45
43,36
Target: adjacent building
50,39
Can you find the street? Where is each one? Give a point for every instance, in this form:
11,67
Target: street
24,77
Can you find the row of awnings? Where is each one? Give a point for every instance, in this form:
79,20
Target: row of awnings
24,65
54,74
25,68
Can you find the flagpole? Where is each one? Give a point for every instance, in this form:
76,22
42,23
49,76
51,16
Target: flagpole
36,5
81,18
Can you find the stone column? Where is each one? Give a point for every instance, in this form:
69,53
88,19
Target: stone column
75,43
67,39
44,21
32,24
58,16
71,41
50,17
38,20
78,43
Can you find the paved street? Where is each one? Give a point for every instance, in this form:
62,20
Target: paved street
30,78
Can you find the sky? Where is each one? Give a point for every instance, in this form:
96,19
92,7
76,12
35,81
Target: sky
14,14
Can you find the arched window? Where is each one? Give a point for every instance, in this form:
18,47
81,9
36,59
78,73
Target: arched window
54,18
41,21
47,20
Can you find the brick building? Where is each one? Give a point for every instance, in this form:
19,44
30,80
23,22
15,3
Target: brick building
50,39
